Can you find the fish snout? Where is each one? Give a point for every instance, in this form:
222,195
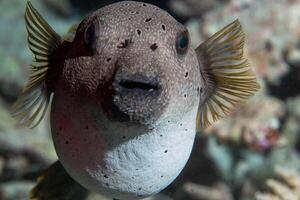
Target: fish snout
138,95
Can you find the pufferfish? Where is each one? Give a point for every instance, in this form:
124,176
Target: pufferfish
128,94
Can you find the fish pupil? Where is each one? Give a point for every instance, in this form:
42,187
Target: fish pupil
182,43
90,36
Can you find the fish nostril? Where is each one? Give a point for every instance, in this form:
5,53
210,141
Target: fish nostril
133,85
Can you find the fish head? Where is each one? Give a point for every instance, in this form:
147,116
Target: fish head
137,60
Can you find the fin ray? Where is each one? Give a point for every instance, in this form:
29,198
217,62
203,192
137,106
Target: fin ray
31,106
36,28
227,77
41,25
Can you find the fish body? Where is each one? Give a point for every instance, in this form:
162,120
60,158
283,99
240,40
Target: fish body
129,93
120,161
139,154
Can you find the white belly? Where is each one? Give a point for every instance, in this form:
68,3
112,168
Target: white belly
120,162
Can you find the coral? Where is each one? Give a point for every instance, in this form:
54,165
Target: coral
269,31
192,191
285,187
254,125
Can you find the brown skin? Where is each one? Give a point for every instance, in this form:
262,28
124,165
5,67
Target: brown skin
123,85
111,53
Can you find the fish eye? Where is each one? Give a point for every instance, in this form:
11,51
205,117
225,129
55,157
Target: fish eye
182,43
90,36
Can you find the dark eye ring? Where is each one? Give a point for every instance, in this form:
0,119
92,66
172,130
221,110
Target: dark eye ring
182,43
90,36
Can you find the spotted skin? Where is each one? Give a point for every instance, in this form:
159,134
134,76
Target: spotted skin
124,142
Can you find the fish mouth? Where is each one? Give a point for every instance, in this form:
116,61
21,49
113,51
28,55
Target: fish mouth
139,85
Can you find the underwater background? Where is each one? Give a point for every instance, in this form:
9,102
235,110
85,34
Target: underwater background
252,154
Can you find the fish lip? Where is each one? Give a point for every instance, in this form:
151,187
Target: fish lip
138,84
146,86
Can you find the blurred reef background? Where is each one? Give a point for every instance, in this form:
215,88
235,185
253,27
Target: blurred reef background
252,154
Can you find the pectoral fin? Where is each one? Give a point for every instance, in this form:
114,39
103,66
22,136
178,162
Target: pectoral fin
227,78
32,104
56,184
71,33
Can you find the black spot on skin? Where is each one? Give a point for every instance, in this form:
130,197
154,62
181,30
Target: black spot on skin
107,184
105,176
186,74
124,137
144,5
67,142
60,128
148,19
161,135
166,151
186,129
140,188
139,32
185,95
136,169
161,176
124,44
108,59
153,47
180,124
163,27
132,12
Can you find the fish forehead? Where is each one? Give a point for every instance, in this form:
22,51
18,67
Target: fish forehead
128,21
130,18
